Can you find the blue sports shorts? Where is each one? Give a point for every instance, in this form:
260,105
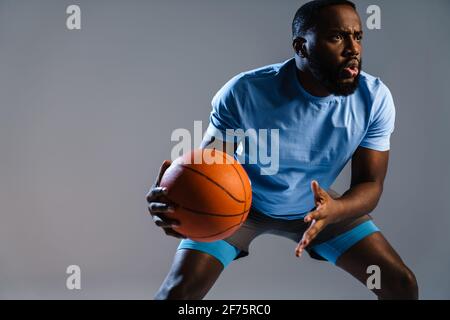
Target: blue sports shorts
329,244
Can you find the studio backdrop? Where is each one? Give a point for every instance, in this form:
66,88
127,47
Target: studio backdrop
88,107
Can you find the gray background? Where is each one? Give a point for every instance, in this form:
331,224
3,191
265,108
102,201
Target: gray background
86,118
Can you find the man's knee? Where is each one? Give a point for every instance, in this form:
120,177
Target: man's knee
408,283
191,276
174,291
403,285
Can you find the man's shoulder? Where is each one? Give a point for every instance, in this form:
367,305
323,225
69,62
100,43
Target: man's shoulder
260,75
376,95
266,71
372,86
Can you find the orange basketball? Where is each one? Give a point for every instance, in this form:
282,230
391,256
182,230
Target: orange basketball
211,192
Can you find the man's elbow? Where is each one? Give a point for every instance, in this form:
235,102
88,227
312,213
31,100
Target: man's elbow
377,192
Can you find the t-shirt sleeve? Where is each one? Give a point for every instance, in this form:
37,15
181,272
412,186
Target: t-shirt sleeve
382,122
224,115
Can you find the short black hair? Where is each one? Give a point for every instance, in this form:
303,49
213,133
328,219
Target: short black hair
307,16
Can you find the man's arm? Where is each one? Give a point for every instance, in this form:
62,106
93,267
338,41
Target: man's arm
369,169
210,142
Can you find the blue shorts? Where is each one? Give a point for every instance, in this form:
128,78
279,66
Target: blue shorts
329,244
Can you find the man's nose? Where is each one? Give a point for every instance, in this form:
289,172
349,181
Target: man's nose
352,47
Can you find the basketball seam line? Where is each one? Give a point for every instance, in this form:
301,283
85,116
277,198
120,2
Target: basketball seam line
208,213
214,214
245,192
214,182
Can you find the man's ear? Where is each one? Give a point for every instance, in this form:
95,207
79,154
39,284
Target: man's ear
299,45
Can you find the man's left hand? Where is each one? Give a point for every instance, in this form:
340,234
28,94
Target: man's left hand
326,212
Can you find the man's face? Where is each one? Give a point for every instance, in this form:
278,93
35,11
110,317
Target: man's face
335,49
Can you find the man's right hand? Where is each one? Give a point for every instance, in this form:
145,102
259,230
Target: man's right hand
156,204
158,207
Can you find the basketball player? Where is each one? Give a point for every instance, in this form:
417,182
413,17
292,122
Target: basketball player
328,111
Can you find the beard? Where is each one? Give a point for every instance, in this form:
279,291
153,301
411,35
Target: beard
331,77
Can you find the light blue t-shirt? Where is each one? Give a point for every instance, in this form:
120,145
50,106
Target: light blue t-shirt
317,135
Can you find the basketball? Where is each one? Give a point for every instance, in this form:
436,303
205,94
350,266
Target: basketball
211,193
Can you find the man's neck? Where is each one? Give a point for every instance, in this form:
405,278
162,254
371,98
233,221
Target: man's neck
310,84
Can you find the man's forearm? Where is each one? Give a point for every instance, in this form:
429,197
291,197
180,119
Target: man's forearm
360,199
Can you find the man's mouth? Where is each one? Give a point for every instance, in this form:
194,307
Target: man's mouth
351,70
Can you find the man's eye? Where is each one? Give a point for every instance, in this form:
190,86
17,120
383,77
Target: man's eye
359,37
336,37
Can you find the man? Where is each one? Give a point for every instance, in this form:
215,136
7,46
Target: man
327,111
